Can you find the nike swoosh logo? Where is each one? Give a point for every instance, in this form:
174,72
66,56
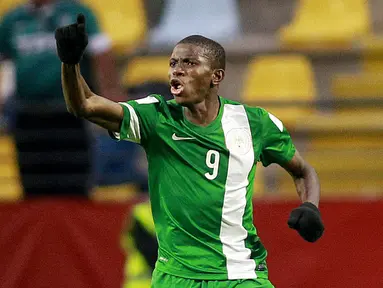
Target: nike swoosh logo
176,138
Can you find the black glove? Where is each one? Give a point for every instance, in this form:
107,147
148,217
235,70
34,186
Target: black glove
306,219
71,41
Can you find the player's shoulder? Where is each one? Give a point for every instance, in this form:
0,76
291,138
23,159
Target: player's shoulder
156,106
154,99
151,101
254,113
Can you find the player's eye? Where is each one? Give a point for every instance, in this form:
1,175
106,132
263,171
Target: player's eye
190,63
172,64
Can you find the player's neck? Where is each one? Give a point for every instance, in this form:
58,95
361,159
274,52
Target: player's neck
204,112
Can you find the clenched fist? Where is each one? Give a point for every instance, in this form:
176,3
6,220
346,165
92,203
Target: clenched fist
306,219
71,41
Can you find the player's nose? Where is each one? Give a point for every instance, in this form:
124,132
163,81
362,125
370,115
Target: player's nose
178,71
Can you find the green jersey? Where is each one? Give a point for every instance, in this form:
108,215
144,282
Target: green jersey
200,182
27,38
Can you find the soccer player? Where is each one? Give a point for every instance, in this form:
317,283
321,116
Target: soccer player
202,151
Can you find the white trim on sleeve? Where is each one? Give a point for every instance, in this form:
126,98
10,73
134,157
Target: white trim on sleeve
276,121
134,133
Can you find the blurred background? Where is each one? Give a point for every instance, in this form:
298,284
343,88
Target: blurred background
315,64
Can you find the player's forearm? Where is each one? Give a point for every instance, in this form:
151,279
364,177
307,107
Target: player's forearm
308,186
76,91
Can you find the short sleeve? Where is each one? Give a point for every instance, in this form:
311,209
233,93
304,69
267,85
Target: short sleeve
99,42
5,38
140,118
278,146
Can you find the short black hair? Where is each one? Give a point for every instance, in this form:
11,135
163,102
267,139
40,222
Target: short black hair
214,50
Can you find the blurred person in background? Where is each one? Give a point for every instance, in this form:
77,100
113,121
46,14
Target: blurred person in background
139,241
53,147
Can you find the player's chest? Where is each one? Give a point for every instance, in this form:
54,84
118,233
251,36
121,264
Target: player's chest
209,152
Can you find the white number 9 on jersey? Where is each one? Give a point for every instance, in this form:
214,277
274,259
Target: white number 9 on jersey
212,161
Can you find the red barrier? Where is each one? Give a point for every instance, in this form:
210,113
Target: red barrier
349,255
61,244
57,243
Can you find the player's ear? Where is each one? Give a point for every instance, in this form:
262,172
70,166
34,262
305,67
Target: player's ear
218,76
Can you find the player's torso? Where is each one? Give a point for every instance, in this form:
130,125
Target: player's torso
200,178
197,162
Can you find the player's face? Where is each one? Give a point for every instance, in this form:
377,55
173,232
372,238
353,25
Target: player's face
190,74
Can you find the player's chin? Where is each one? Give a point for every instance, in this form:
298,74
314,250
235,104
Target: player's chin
181,99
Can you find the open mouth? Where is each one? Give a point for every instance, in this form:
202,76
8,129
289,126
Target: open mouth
176,87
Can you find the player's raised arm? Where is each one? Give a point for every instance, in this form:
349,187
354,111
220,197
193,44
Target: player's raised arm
71,42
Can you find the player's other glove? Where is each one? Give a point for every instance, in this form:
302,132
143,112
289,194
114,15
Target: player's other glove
71,41
306,219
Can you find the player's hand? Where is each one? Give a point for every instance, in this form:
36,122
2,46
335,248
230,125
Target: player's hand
306,219
71,41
